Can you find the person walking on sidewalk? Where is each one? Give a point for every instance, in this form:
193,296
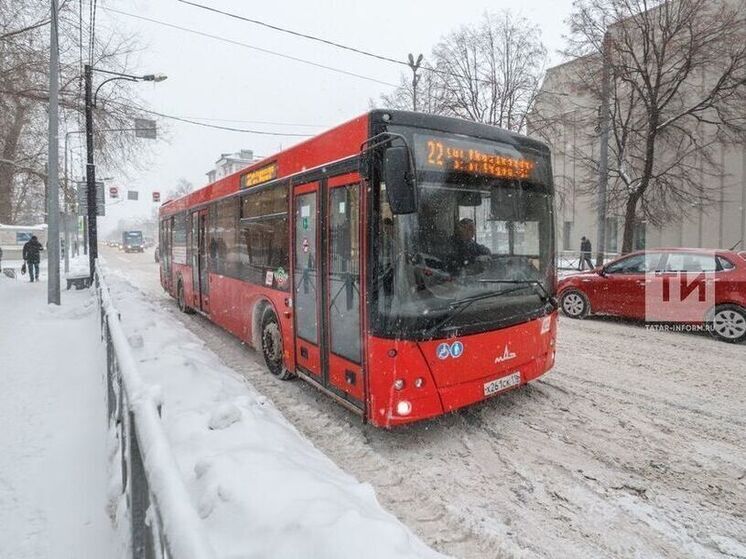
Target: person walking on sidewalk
31,256
585,254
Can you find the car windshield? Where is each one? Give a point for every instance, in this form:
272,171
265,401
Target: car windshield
468,238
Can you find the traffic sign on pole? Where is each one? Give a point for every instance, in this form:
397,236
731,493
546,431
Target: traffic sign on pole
83,199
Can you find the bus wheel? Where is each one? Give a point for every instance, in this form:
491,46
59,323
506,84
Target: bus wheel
272,346
728,323
181,300
575,304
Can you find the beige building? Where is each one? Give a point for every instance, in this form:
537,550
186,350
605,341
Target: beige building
567,118
230,163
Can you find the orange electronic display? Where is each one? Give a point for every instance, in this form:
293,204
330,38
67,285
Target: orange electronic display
259,176
453,155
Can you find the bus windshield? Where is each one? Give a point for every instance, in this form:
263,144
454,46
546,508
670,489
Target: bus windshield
486,241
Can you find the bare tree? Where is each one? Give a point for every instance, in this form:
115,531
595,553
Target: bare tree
678,92
182,188
24,55
488,72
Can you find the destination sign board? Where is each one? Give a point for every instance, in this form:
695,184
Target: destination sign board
440,153
259,176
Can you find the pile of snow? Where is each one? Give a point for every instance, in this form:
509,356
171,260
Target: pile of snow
261,489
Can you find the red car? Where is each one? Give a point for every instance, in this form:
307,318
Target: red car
620,287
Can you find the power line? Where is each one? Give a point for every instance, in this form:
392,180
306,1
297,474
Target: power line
215,126
246,45
273,123
331,43
296,33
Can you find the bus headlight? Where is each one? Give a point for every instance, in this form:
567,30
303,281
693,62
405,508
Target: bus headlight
404,408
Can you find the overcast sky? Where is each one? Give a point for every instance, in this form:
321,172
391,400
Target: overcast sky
244,88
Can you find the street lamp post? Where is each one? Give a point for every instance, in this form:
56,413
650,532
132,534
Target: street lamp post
415,66
53,175
90,103
603,156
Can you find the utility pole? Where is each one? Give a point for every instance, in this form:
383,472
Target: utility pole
414,65
90,173
53,178
603,163
67,208
90,103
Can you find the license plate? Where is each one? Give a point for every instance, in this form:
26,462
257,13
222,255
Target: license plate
498,385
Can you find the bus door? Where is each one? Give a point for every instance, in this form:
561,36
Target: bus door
306,296
200,283
326,289
342,288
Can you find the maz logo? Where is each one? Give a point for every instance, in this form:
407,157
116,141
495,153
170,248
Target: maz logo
506,356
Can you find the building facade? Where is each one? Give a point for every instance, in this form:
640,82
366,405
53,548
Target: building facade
567,117
230,163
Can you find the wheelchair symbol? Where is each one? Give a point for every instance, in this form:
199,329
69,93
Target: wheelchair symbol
443,351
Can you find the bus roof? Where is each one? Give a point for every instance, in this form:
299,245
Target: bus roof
344,141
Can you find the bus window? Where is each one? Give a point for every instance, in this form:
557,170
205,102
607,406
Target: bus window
223,246
344,272
263,237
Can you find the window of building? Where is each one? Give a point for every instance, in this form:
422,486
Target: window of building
612,230
639,235
567,235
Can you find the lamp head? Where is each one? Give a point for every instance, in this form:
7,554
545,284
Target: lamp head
154,77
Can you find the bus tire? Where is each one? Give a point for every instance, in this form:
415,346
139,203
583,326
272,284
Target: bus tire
272,346
575,304
181,299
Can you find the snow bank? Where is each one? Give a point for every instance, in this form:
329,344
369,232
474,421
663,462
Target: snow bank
182,527
261,489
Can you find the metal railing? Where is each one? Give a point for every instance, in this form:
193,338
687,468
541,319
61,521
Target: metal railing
570,259
163,522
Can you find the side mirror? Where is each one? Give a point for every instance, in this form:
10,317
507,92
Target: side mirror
398,175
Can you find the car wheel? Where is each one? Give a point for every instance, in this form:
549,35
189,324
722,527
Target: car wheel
728,323
272,346
575,304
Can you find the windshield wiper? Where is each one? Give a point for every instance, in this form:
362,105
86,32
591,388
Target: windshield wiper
544,295
462,304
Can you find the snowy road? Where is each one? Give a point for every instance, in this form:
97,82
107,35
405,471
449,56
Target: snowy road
633,446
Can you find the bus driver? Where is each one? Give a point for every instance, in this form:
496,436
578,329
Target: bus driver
467,250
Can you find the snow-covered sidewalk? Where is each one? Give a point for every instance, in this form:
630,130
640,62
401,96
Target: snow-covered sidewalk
260,487
53,434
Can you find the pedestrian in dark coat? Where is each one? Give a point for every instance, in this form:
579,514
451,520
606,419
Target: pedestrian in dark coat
32,257
585,254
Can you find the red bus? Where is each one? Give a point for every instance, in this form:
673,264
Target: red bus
401,263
